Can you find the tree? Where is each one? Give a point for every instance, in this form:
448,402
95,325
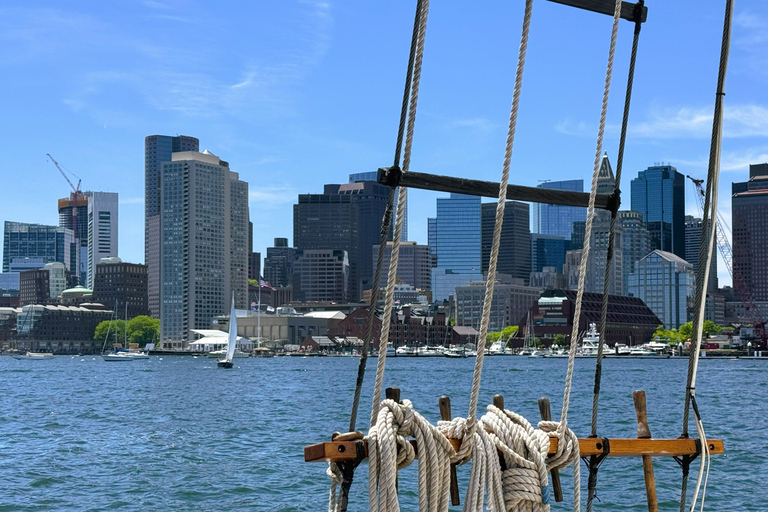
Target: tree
143,329
559,340
115,328
711,328
685,330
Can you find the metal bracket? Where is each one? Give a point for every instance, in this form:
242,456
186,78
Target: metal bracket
629,11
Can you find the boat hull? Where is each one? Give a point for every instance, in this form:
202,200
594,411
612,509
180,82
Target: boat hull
224,364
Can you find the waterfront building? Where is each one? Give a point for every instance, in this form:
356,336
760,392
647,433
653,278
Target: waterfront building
372,176
204,227
635,243
658,193
58,329
414,266
552,219
278,265
284,327
457,240
50,243
515,244
102,230
321,275
78,296
693,229
630,321
117,283
157,149
749,207
43,286
511,300
345,217
666,283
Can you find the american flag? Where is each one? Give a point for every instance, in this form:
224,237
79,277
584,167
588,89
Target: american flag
264,284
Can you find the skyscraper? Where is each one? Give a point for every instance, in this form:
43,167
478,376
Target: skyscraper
346,217
66,220
548,251
658,193
157,149
372,176
457,239
321,275
49,243
102,230
515,244
749,207
666,284
634,242
414,266
693,228
552,219
204,229
278,265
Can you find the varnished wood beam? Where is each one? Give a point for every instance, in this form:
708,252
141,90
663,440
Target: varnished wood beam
347,450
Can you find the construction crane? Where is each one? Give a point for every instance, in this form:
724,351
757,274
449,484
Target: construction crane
74,197
739,284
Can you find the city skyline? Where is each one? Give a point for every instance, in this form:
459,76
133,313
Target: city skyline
276,108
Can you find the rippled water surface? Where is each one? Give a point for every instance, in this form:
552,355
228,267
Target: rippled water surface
179,434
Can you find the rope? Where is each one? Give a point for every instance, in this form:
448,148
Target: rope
593,462
705,255
588,227
423,8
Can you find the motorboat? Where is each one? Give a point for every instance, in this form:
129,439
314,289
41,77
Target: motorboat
620,349
455,352
427,352
498,348
35,355
391,351
590,343
405,351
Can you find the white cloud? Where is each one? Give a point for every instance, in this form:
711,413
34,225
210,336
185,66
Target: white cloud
272,197
696,122
131,200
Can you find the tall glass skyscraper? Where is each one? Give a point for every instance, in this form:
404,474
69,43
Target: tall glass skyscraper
48,243
658,193
553,219
457,237
157,149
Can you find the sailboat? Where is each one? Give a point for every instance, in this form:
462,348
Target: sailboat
227,361
528,343
123,354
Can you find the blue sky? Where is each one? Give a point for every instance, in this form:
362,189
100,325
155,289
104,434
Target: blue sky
295,94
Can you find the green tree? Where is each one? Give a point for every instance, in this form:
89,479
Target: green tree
559,340
143,329
685,330
115,328
711,327
508,332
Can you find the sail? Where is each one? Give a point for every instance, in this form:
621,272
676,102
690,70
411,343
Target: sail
232,332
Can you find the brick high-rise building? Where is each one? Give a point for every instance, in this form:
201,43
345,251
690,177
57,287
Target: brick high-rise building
515,244
117,283
749,207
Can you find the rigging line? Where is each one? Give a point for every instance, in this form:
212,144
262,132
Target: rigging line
590,218
394,258
385,226
706,247
594,461
491,277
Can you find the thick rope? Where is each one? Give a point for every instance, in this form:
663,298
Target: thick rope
423,7
608,277
590,218
706,249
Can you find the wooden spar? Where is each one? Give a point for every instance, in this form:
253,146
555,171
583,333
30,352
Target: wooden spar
629,11
393,176
444,403
347,450
546,415
644,432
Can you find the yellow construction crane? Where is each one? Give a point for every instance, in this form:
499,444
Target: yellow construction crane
75,197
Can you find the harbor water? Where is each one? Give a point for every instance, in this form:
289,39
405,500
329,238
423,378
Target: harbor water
176,433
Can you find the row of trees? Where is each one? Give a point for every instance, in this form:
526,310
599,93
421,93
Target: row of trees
683,333
141,329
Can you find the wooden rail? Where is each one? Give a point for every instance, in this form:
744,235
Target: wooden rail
348,450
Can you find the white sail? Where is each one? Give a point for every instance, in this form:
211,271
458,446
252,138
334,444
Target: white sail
232,333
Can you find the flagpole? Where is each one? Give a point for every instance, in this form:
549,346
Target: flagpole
258,316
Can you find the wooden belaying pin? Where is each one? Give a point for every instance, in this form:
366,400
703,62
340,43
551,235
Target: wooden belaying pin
392,394
444,402
498,402
546,415
643,432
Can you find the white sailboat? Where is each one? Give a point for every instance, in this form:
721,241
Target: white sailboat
227,361
123,354
528,340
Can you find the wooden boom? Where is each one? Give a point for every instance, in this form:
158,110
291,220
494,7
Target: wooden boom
335,451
